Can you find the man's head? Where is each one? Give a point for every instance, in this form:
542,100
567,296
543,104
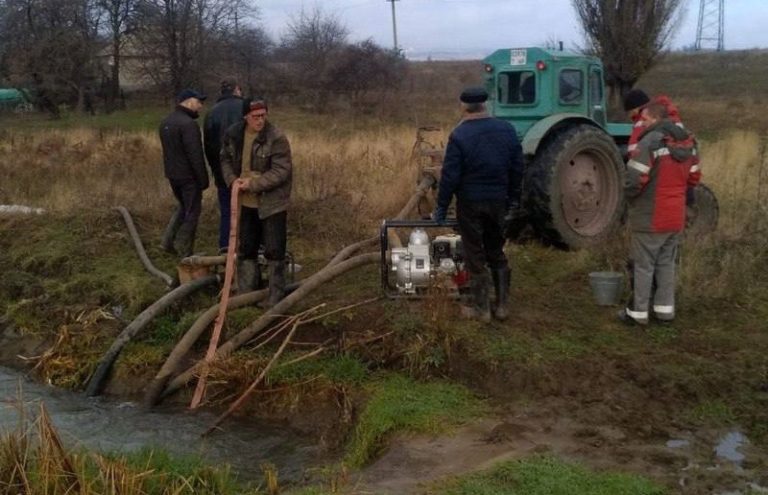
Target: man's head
255,112
473,100
191,100
634,101
229,86
652,113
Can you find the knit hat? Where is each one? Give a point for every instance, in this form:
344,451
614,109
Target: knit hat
254,103
636,98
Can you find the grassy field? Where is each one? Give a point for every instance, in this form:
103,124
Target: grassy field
561,367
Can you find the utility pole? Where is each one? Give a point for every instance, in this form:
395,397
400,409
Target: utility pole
394,24
710,31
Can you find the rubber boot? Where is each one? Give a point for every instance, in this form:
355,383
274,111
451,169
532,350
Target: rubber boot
480,304
276,283
185,240
501,281
247,271
169,234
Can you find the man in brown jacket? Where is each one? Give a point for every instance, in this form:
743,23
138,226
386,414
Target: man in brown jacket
258,155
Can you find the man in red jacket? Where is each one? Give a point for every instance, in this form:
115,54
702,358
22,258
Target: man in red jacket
662,167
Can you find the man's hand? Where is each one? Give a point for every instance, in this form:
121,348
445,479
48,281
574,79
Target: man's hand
439,214
241,183
515,218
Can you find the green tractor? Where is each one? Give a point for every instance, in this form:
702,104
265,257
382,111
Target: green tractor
573,190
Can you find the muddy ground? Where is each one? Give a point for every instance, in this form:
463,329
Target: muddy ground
561,377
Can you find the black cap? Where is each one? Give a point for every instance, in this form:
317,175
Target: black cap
254,103
636,98
473,95
189,93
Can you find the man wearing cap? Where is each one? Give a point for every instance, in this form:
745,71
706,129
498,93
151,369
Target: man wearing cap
184,166
257,154
483,168
227,111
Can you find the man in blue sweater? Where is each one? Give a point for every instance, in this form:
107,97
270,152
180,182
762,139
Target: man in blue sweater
483,167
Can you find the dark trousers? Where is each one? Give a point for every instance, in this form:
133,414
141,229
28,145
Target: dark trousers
254,231
182,227
481,224
225,209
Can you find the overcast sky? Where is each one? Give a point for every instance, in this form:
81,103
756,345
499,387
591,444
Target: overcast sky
473,28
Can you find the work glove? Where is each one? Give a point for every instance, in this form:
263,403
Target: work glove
439,214
690,196
515,219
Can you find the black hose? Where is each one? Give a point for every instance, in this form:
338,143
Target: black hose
140,248
105,364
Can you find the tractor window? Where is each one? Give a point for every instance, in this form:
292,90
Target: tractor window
517,88
571,86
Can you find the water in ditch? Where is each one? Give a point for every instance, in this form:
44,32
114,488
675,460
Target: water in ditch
109,426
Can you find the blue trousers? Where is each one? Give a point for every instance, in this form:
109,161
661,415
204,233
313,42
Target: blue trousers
225,198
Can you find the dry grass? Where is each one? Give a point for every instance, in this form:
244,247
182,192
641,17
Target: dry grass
33,460
730,263
369,172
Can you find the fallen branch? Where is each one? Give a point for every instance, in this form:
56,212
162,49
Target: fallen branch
310,284
296,320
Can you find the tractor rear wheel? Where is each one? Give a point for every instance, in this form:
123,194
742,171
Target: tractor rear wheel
575,187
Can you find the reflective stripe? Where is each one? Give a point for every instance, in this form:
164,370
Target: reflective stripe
632,147
638,315
695,168
667,310
643,169
661,152
680,125
694,151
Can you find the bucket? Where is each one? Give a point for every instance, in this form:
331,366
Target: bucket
606,287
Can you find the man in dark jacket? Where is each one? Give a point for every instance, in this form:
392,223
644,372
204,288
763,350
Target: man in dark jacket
185,169
227,112
258,155
483,167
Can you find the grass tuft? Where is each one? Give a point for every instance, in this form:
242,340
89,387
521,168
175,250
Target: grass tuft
400,404
546,476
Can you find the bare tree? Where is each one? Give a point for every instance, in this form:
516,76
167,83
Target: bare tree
179,38
365,67
120,20
51,45
628,35
308,46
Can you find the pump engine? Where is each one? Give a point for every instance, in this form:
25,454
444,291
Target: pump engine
424,262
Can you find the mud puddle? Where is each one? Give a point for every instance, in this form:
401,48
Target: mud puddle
711,462
110,426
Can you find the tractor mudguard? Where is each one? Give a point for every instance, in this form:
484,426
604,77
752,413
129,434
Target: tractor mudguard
536,134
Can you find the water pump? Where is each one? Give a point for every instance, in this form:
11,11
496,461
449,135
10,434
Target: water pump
424,262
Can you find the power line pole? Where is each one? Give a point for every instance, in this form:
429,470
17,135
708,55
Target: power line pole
394,24
710,31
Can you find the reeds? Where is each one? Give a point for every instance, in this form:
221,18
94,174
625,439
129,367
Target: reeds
34,461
